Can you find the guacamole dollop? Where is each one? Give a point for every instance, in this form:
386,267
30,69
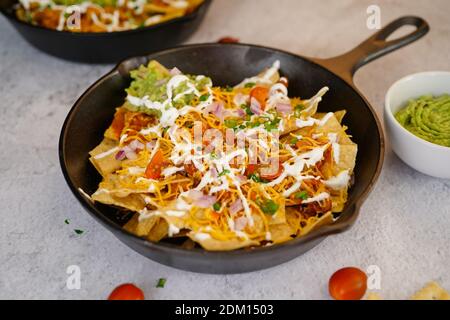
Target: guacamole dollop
428,118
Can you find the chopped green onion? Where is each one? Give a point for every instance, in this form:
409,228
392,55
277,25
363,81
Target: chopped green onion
161,283
247,109
268,206
224,172
294,140
204,97
230,123
298,109
228,88
217,206
301,195
78,231
67,221
249,84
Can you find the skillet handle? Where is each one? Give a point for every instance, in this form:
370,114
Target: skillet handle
376,46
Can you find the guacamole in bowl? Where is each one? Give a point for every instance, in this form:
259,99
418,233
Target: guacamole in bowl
428,117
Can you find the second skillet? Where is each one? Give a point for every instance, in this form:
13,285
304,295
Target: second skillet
229,64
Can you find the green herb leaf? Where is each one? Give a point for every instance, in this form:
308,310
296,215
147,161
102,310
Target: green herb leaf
250,84
161,282
224,172
217,206
67,221
204,97
301,195
268,206
78,231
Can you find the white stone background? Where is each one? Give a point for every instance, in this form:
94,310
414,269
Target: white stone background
403,227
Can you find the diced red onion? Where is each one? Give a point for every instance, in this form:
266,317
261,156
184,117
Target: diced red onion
255,106
217,109
175,71
240,112
195,194
236,206
284,108
240,223
150,145
131,155
205,201
120,155
214,172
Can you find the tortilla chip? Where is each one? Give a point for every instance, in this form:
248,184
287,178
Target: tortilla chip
340,115
314,223
103,157
432,291
281,232
159,230
347,158
222,245
133,202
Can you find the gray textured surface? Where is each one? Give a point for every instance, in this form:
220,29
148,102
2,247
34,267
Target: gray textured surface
403,228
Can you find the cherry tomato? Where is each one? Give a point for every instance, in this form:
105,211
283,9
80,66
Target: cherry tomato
154,168
348,284
127,291
118,123
228,40
260,94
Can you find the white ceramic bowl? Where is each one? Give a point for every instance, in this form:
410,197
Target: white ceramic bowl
424,156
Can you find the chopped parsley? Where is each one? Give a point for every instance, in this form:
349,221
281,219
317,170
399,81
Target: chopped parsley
294,140
268,206
78,231
249,84
301,195
161,282
217,206
67,221
224,172
204,97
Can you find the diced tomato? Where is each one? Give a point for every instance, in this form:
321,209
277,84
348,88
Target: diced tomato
118,123
127,291
260,94
155,165
251,168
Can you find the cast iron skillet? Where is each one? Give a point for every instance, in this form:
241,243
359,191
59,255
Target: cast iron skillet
229,64
106,47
